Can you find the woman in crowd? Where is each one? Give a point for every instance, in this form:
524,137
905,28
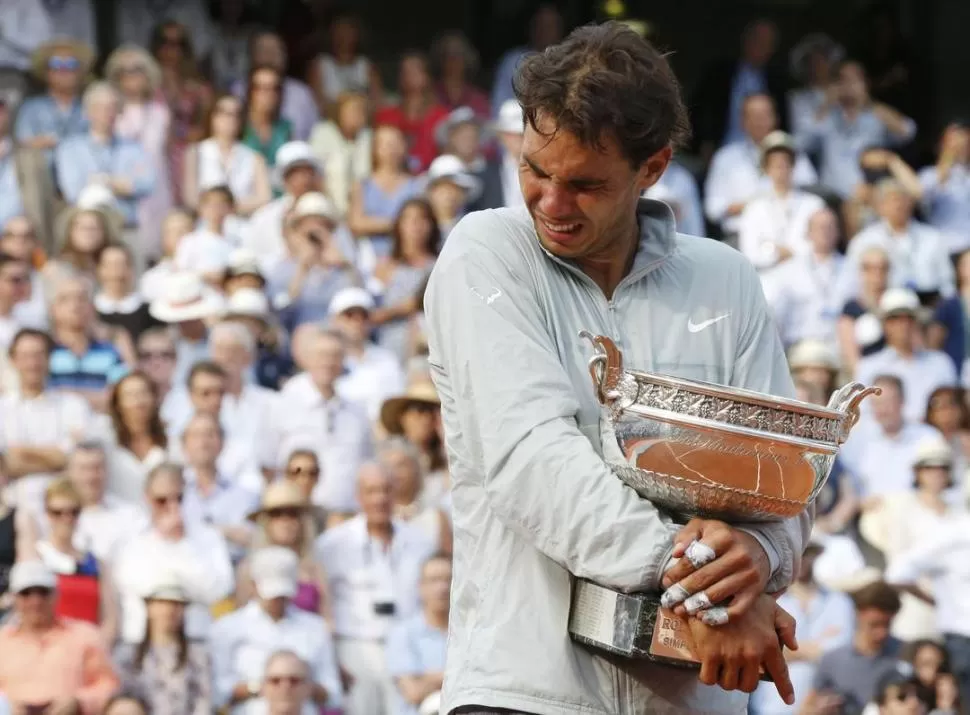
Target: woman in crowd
414,246
265,131
167,670
221,158
83,583
178,224
414,501
187,95
284,520
928,659
303,469
947,410
414,416
82,236
139,438
949,329
456,63
377,200
344,146
147,120
859,330
344,69
118,303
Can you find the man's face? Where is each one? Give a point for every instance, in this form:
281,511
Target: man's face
760,43
375,494
759,118
156,358
18,239
436,585
325,360
87,472
285,685
230,355
214,207
823,231
887,407
852,86
165,498
203,441
64,72
896,207
354,323
30,359
465,141
14,282
35,606
206,393
899,330
102,110
268,50
72,307
300,180
872,625
582,199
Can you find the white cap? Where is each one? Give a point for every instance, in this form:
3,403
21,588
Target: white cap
314,204
248,303
812,353
933,452
352,297
460,115
898,301
243,261
31,574
275,572
449,167
165,585
510,118
294,154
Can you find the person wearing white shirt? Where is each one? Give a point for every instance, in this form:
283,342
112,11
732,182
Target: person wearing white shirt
917,252
880,452
373,565
921,371
242,642
197,554
774,225
677,188
802,289
735,176
286,687
15,289
38,427
946,188
374,373
310,413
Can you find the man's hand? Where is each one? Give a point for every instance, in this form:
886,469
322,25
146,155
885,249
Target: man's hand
733,655
716,564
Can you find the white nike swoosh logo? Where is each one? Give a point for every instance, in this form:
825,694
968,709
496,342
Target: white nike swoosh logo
698,327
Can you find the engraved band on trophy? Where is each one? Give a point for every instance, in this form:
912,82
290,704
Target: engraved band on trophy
699,449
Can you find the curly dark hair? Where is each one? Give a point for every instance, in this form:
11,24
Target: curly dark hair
606,81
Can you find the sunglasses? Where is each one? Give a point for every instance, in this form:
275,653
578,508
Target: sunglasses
209,391
72,512
35,591
166,499
288,512
156,355
300,471
63,63
28,235
292,680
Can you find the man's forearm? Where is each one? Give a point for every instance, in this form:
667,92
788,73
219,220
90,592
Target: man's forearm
21,461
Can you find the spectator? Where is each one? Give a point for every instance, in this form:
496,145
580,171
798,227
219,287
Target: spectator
853,672
264,130
416,647
949,701
195,553
928,659
377,200
813,62
861,210
814,364
18,238
945,185
38,425
15,288
462,133
33,29
46,120
220,158
344,146
166,669
302,469
117,302
391,554
61,665
947,411
284,519
450,188
81,234
413,415
735,177
156,358
415,240
243,641
206,250
417,115
860,332
268,362
373,373
176,225
286,684
11,199
545,29
414,502
344,69
500,177
921,371
136,22
898,695
139,439
947,330
145,119
677,188
456,62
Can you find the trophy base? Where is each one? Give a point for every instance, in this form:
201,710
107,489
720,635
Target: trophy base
633,625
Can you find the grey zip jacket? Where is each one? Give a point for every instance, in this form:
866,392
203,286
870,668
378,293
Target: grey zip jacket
534,503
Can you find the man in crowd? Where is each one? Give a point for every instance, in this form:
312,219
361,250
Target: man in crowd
286,684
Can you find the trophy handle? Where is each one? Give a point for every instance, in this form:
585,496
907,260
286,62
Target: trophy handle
847,400
605,367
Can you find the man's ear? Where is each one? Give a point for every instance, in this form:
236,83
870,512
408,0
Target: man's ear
653,168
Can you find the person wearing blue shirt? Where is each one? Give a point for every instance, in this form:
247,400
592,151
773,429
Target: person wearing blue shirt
416,646
11,203
100,157
545,29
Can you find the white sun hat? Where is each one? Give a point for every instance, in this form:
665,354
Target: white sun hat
449,167
187,298
510,118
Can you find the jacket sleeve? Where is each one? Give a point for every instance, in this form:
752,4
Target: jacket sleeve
503,384
761,365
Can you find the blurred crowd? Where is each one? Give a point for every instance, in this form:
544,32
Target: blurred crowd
224,480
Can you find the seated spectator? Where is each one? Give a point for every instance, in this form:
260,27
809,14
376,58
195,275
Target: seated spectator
415,240
735,176
849,122
928,659
166,669
368,600
139,442
11,199
82,234
284,519
861,210
897,694
947,410
243,641
286,685
302,469
18,238
206,250
450,188
500,177
945,184
921,371
949,701
15,288
463,134
196,553
102,157
344,69
117,302
813,363
859,329
373,374
851,673
62,665
264,129
177,224
156,358
947,330
456,62
222,159
917,255
38,425
79,361
378,199
414,501
416,646
343,146
413,415
268,360
417,114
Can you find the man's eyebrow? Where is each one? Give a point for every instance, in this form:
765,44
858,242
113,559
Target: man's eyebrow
579,181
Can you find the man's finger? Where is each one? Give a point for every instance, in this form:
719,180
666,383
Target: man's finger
730,672
705,579
786,626
750,677
741,603
692,531
777,668
709,671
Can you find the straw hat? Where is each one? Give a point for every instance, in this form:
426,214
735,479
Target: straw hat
144,60
418,393
281,494
68,45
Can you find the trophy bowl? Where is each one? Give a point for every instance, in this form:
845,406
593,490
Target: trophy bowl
694,448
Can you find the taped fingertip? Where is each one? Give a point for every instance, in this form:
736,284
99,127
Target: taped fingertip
673,596
697,602
717,616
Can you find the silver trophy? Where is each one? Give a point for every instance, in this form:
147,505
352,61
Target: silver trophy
698,449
